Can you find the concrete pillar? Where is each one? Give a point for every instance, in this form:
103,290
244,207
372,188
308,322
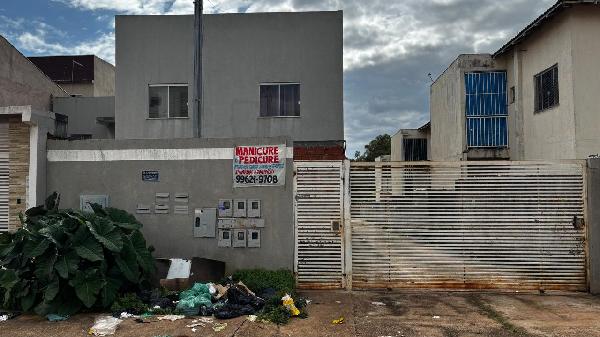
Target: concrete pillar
593,223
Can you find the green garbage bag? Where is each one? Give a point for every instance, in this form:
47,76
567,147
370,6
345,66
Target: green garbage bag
191,300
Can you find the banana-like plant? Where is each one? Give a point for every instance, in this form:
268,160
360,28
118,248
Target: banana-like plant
62,261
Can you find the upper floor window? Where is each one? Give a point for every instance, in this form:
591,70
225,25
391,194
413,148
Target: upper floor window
280,100
168,101
546,89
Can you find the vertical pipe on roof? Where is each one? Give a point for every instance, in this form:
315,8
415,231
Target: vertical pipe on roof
197,99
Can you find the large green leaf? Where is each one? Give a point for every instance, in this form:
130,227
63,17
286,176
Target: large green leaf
90,249
66,303
97,208
87,286
52,290
8,278
28,300
105,232
35,247
109,291
143,256
66,264
44,265
127,262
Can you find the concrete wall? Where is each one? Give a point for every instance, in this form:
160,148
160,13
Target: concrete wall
104,78
82,112
397,153
22,83
240,52
585,23
205,180
447,106
549,134
593,224
79,89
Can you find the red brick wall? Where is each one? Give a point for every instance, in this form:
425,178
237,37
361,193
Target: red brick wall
319,153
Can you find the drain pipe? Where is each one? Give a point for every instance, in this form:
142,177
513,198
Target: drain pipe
197,101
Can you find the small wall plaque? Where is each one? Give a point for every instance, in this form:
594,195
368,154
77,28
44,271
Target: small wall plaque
148,175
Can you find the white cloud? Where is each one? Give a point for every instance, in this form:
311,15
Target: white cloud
103,46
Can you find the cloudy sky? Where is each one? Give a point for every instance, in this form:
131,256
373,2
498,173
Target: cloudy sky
390,46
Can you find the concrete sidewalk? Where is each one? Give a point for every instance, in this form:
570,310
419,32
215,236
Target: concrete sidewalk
377,314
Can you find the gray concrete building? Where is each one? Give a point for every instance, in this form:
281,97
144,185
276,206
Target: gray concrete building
265,75
26,96
79,75
533,99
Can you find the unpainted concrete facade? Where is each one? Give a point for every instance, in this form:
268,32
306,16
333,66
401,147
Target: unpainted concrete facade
22,83
206,181
83,113
566,131
397,153
447,108
240,52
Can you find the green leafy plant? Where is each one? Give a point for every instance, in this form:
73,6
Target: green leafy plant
62,261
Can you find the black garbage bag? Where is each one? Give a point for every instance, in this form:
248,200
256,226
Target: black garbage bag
268,293
205,311
232,310
162,302
239,295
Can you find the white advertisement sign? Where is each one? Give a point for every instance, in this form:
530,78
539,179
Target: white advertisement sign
259,165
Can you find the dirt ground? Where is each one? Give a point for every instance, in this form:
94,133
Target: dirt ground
376,314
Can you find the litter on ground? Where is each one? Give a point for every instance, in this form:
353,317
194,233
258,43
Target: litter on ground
378,303
338,321
3,318
171,318
217,327
436,317
104,326
252,318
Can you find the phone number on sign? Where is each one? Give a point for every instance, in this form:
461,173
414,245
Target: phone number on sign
258,179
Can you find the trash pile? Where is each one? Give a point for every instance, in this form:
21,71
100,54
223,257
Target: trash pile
224,302
203,303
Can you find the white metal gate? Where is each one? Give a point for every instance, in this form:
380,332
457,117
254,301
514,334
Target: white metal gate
318,193
468,225
4,177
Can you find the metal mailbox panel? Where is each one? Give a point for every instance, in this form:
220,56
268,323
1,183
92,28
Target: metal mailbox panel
205,221
239,208
254,238
224,238
225,208
254,208
239,238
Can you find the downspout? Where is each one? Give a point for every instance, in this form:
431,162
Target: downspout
197,101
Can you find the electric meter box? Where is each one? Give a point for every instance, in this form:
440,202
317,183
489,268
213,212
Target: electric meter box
225,208
205,222
239,208
224,238
254,209
239,238
254,238
86,200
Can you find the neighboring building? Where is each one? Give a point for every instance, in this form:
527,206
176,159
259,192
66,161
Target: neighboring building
79,75
412,144
534,99
26,96
89,117
264,75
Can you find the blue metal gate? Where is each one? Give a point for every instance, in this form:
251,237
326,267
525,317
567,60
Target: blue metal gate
486,109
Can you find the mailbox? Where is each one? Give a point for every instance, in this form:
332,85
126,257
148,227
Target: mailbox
225,208
239,238
254,238
254,209
224,238
239,208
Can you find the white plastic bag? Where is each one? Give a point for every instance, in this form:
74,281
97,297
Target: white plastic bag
105,325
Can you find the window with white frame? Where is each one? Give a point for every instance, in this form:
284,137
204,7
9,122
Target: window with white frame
280,100
167,101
